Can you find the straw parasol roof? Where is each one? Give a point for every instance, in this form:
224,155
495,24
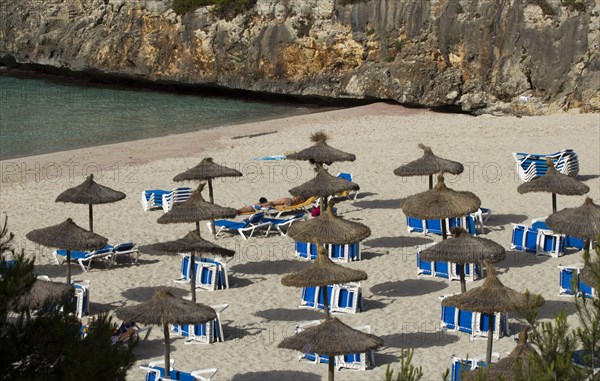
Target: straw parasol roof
329,229
489,298
67,236
554,182
191,243
323,185
429,164
504,369
321,152
40,293
322,272
90,192
332,338
166,308
196,209
464,248
207,169
440,202
583,221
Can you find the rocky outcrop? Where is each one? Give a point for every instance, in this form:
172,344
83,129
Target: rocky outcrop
498,56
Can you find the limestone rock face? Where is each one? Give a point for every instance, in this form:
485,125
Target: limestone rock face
517,56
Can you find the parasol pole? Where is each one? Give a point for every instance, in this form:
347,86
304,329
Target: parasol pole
490,339
167,352
91,218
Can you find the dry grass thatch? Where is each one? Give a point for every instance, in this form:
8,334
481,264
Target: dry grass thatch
332,338
464,248
489,298
323,272
329,229
323,185
67,236
39,294
321,152
196,209
504,369
554,182
165,308
583,221
90,192
440,202
429,164
207,169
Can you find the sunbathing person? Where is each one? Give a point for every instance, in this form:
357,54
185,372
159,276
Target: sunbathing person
263,203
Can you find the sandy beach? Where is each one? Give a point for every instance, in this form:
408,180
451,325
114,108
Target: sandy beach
401,308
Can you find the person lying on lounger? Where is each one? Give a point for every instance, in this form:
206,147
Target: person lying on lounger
263,203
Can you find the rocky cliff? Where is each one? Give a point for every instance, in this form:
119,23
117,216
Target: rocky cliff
499,56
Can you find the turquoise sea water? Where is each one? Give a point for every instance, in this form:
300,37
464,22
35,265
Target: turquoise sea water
40,116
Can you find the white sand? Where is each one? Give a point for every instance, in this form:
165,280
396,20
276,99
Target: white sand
401,308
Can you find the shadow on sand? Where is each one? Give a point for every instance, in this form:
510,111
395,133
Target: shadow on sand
408,287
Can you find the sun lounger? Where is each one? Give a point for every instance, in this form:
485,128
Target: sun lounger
538,241
125,249
82,298
175,196
282,224
342,297
153,198
128,331
448,270
530,166
204,333
157,373
460,364
356,361
337,253
570,277
281,209
472,223
211,274
247,226
348,193
81,257
473,323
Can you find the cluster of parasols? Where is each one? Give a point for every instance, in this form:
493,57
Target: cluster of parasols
332,337
440,202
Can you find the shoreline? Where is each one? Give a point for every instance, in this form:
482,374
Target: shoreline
118,156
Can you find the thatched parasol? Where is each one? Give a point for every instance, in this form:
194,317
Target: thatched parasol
329,229
323,185
462,249
41,293
90,192
321,273
191,243
440,203
207,170
195,209
321,153
163,309
67,236
428,165
504,369
582,222
490,298
556,183
331,338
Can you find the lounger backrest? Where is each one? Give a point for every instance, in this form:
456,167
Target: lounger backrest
345,176
255,218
